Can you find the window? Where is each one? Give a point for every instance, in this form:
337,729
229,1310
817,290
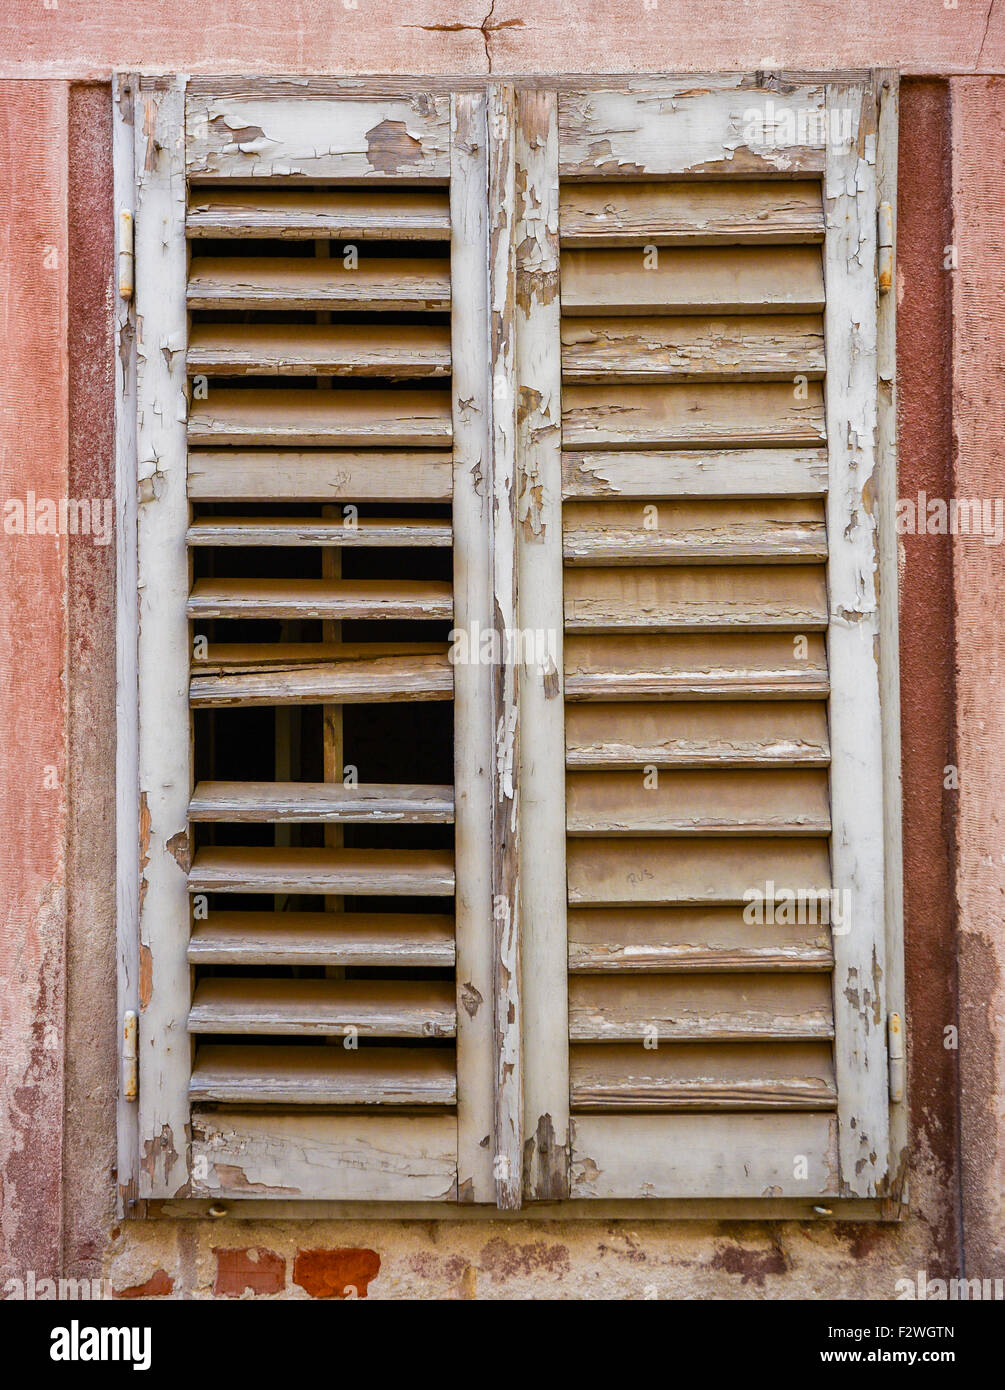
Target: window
512,615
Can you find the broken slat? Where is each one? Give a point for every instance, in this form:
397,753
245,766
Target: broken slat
263,869
397,350
716,802
763,1007
624,870
334,599
283,1075
287,802
393,214
307,530
746,280
678,939
695,213
335,419
694,532
755,347
703,1076
723,666
731,734
323,938
409,285
375,1008
708,473
693,597
678,415
348,681
225,475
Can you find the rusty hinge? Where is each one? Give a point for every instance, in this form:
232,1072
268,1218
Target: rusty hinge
895,1038
885,247
130,1063
126,255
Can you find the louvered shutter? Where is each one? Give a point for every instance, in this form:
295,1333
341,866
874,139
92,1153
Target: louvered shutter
313,522
699,518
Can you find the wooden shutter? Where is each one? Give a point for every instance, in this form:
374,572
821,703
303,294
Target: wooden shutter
313,523
699,517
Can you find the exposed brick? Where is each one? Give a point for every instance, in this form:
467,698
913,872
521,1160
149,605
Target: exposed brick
159,1285
261,1271
332,1273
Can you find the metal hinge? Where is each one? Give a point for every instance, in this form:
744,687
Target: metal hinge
127,258
895,1040
885,247
130,1062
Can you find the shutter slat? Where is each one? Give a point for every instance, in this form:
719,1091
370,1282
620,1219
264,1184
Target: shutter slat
613,1008
737,735
286,802
696,214
377,1008
677,939
790,802
283,1075
710,473
766,347
334,599
300,531
653,417
236,476
323,938
747,280
290,214
699,1076
307,349
359,680
387,872
623,870
690,532
337,418
689,598
414,285
712,667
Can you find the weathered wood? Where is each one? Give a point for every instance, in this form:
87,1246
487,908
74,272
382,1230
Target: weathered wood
278,1075
705,1155
507,1003
297,282
282,680
382,1158
690,532
734,734
374,1008
387,872
472,680
539,567
686,125
622,871
303,137
342,418
689,598
853,641
763,1007
366,803
710,473
695,214
744,280
323,938
703,1077
340,213
679,415
231,475
765,347
397,350
319,531
165,773
687,938
320,598
723,666
717,802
